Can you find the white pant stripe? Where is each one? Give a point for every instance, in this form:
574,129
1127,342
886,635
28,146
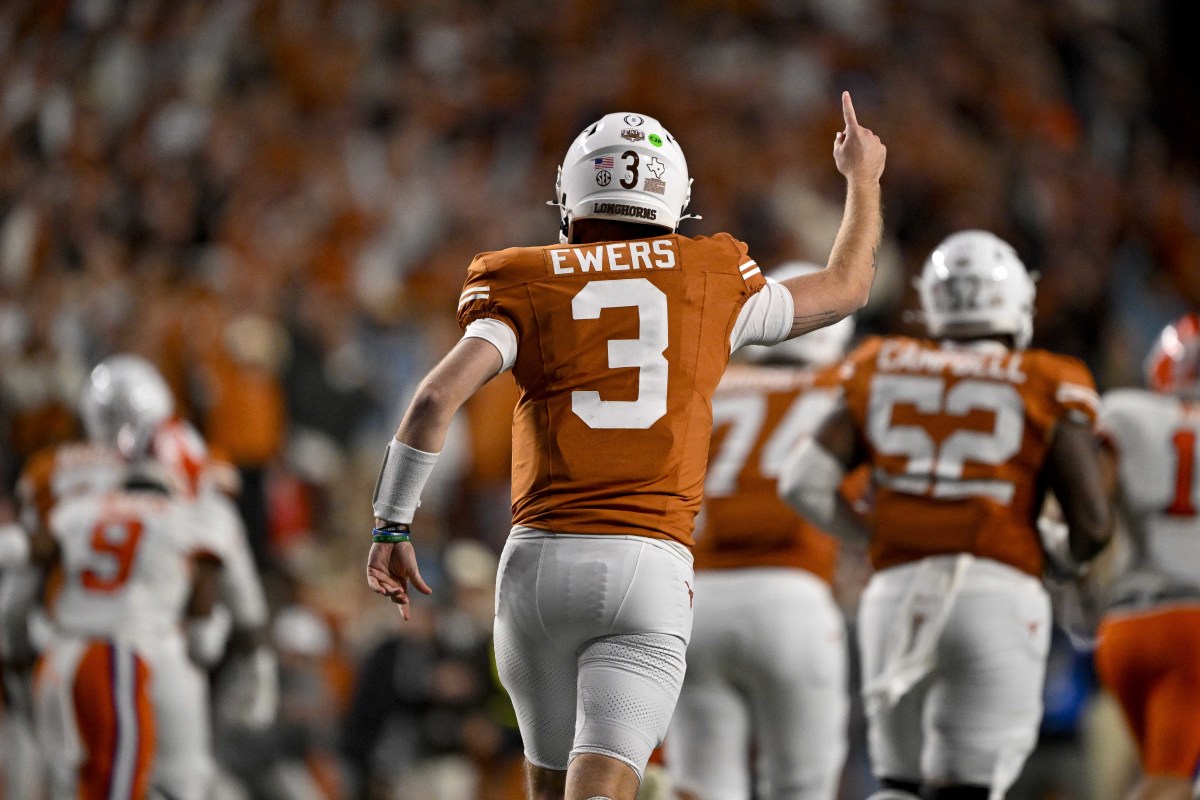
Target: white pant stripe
125,758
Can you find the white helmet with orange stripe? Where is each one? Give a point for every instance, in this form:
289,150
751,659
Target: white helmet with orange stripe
124,402
1173,365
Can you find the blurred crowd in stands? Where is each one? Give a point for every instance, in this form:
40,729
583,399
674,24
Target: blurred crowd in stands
276,200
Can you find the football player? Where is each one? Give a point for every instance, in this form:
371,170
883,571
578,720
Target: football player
115,691
963,432
1149,644
126,408
766,666
617,339
49,476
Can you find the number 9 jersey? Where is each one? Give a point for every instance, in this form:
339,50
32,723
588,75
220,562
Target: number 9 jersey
967,425
617,348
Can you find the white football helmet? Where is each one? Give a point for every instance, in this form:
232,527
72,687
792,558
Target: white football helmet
974,284
124,402
625,167
818,348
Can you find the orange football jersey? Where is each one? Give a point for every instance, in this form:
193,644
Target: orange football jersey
620,346
957,436
760,413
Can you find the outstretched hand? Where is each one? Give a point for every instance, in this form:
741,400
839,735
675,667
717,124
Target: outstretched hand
858,153
390,567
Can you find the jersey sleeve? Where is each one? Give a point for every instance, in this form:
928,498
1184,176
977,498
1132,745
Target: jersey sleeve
481,314
34,494
854,377
766,310
765,318
1074,389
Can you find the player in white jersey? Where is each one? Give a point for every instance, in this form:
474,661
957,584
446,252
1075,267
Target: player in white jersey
48,477
247,687
1149,648
766,666
116,679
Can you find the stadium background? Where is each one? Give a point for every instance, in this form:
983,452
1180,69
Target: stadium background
276,200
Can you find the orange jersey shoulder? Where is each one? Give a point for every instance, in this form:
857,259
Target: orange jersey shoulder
65,470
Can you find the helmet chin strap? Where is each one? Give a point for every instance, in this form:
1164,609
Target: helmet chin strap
688,216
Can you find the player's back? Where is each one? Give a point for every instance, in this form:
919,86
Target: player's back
64,471
759,414
957,435
124,560
1155,438
620,346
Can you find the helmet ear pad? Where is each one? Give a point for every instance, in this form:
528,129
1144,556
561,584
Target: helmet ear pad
624,167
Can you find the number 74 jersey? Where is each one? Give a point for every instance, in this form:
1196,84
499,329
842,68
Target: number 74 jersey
617,348
957,435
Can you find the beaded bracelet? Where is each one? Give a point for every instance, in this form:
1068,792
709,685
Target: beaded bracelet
390,534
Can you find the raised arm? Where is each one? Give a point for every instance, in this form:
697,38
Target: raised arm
410,458
822,298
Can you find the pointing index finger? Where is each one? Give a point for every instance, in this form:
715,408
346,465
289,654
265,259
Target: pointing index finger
848,111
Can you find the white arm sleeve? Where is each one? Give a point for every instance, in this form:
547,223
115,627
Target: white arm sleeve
809,482
766,318
500,336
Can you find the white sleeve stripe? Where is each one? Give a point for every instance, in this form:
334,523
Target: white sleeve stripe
467,298
1073,392
751,273
747,265
499,335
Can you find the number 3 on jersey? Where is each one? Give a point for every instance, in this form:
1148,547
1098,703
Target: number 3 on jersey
938,469
644,352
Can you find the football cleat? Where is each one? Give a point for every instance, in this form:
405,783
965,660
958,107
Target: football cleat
974,285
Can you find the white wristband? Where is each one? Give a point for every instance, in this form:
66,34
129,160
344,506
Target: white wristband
401,479
14,546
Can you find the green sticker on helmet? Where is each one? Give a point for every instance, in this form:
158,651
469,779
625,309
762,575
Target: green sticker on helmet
655,140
